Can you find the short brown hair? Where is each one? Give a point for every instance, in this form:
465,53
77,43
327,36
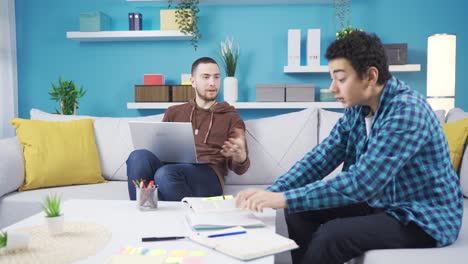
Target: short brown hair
202,60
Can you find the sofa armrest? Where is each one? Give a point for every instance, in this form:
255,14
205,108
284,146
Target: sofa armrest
11,165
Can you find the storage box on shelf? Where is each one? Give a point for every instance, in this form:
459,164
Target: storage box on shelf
94,21
152,93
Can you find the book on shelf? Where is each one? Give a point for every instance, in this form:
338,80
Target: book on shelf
216,204
244,244
225,220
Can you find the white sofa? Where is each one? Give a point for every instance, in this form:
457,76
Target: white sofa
275,144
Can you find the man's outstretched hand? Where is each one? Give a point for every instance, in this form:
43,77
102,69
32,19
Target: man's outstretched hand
235,147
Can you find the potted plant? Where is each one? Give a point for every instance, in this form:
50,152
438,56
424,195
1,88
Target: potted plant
229,58
54,217
186,16
3,239
68,95
13,240
342,10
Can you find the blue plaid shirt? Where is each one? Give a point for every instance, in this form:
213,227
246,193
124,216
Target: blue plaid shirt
402,167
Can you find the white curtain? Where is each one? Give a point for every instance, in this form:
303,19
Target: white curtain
8,68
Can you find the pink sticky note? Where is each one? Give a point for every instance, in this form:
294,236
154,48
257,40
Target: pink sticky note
125,250
192,260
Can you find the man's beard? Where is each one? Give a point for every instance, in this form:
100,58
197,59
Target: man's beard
204,97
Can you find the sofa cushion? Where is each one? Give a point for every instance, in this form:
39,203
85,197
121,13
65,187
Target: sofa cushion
113,140
440,114
327,120
58,153
456,134
454,115
11,165
453,254
275,144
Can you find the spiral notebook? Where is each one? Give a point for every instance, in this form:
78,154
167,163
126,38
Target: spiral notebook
248,245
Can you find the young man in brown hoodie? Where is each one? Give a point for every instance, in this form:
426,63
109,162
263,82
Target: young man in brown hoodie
219,134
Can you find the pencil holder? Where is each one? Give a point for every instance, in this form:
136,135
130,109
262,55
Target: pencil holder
147,198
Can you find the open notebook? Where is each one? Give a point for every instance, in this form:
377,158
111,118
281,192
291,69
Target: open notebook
224,220
212,204
250,245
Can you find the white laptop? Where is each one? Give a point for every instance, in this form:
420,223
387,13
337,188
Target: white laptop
171,142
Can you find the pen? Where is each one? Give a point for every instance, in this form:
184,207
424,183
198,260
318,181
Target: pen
228,234
149,239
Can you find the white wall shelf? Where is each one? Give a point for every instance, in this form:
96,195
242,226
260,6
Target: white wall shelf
243,2
324,68
248,105
137,35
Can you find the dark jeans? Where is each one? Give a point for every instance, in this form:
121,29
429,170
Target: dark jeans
175,181
340,234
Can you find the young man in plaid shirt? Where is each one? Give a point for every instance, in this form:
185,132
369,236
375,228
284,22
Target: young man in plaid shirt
397,188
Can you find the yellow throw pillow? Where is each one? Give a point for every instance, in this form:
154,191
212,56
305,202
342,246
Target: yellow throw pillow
58,153
456,134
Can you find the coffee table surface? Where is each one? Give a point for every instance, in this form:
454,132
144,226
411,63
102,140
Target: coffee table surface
128,225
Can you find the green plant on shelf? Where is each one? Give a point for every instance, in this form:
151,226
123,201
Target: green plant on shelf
68,95
187,18
3,238
51,205
229,56
346,31
342,10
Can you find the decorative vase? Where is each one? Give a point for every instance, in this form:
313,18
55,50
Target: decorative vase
230,89
55,224
16,240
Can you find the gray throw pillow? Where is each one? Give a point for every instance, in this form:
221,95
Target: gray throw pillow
11,165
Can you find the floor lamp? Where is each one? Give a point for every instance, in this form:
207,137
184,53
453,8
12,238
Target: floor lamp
441,53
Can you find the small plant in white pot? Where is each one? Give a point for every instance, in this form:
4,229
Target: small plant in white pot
54,217
229,57
3,239
13,240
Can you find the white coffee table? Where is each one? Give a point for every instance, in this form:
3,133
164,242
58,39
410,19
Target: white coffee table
128,225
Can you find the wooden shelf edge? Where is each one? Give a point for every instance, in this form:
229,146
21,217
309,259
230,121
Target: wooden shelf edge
324,68
137,35
247,105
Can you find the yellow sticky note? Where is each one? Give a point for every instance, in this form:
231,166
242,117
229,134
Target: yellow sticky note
174,260
179,253
157,252
197,253
137,251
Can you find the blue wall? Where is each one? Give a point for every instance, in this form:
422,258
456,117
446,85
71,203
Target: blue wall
108,70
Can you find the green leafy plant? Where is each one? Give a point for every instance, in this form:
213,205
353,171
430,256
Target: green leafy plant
51,205
229,56
346,31
342,10
3,239
68,95
187,19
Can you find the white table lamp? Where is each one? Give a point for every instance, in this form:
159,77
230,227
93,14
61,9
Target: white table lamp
441,53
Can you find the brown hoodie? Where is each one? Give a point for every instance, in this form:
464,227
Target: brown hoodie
211,128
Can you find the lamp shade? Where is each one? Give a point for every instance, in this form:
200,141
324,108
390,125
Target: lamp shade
441,53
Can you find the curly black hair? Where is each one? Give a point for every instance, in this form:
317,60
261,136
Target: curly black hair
362,50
